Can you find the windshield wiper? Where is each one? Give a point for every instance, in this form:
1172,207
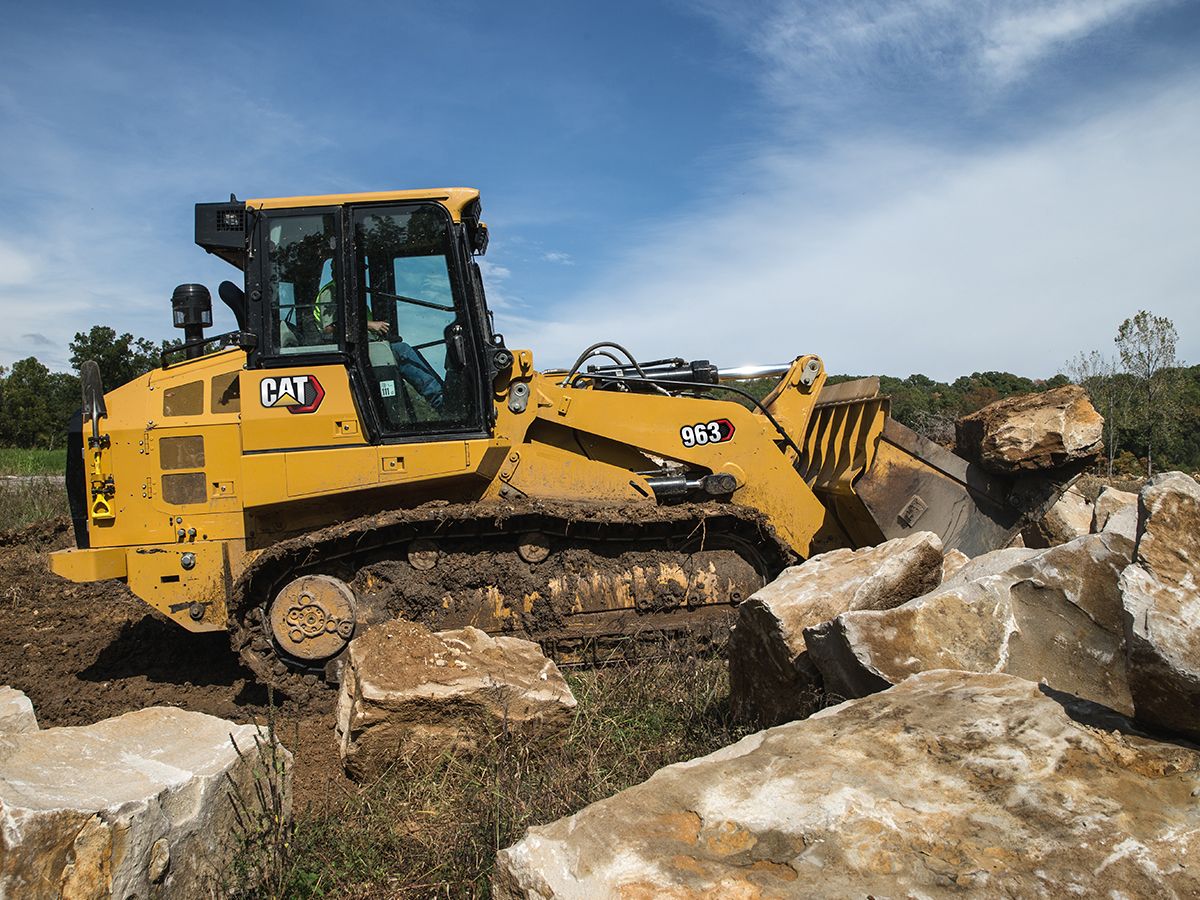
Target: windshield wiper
413,300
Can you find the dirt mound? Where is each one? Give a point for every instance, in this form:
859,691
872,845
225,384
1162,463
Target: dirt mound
84,652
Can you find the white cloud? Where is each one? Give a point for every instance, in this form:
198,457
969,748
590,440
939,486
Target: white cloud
495,283
806,45
493,271
16,266
916,259
1014,42
555,256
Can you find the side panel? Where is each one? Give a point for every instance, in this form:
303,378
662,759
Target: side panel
299,407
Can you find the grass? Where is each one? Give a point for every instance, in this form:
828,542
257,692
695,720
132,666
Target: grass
431,827
15,461
23,503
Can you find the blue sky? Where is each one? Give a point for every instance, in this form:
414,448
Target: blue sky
933,186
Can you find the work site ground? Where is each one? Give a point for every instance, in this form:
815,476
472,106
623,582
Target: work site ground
430,827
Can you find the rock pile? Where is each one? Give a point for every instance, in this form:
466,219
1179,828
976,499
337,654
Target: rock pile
1099,616
1019,729
771,678
134,806
405,689
1052,616
984,785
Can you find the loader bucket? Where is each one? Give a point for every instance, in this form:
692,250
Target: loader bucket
882,480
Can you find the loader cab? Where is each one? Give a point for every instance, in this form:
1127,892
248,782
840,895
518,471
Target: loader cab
387,288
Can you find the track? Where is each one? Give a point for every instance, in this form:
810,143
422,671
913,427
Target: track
613,579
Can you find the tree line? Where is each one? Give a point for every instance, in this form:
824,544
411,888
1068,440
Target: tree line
1149,399
36,404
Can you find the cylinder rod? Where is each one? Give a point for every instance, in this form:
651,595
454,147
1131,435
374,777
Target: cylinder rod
746,373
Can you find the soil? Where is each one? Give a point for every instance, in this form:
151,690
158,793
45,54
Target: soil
85,652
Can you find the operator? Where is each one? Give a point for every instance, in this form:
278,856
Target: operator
411,364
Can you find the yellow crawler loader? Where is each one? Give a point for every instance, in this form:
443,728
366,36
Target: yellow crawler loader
366,446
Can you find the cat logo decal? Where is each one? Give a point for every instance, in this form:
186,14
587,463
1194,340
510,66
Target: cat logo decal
295,393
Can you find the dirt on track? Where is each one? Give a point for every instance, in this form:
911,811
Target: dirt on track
85,652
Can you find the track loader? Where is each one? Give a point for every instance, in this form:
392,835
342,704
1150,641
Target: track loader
366,446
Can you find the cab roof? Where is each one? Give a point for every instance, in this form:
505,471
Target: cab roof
455,199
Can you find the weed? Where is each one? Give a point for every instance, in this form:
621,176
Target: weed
261,863
25,501
432,826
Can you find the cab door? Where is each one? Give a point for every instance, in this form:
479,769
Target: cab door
413,338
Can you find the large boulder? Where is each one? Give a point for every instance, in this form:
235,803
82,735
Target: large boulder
1161,596
1053,616
771,680
1070,517
407,690
1116,511
134,806
16,712
1032,432
949,784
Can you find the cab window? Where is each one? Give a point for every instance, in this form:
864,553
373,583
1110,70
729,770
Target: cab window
419,367
302,312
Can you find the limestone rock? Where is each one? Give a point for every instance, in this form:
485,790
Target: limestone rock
1067,519
134,806
771,680
16,712
1032,432
950,784
953,561
1161,596
1053,616
997,562
1116,511
405,689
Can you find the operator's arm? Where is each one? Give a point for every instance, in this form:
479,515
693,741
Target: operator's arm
380,328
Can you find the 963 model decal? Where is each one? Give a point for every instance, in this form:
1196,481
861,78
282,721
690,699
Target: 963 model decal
718,431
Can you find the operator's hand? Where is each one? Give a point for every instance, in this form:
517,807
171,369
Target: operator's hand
380,328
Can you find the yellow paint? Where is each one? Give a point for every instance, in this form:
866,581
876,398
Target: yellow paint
89,565
454,199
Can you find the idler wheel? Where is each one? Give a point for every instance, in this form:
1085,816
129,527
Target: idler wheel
313,617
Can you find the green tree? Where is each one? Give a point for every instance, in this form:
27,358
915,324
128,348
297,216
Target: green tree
36,403
1108,389
1146,344
120,358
